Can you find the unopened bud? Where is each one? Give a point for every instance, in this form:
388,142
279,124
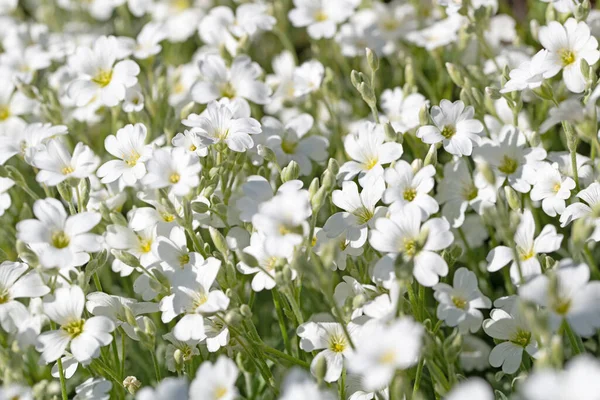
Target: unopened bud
431,157
290,172
493,93
455,74
313,187
333,166
320,369
390,133
487,173
266,153
424,115
219,241
245,311
512,198
372,59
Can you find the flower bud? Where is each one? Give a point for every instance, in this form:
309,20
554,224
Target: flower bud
290,172
455,74
488,173
512,198
318,199
266,153
65,191
372,59
320,369
219,241
424,115
233,318
333,166
313,187
245,311
431,157
493,93
390,134
328,180
132,384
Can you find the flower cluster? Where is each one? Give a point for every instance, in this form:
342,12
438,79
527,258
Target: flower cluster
301,199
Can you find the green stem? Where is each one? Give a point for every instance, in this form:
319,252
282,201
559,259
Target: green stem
281,320
156,369
63,383
418,377
574,340
282,355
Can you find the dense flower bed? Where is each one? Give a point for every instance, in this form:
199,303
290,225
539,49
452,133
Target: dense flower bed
307,199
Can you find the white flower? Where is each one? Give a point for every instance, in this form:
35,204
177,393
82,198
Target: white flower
298,385
588,210
25,139
402,110
5,201
568,295
473,388
454,126
459,190
567,46
383,349
258,190
459,304
16,283
56,164
85,336
343,247
290,142
13,103
192,296
215,381
283,220
579,380
514,332
169,388
360,211
128,145
331,339
438,34
321,16
191,141
148,40
267,258
220,124
510,159
410,188
402,233
116,308
529,75
552,189
134,100
138,243
527,249
175,168
93,389
15,390
474,354
173,250
59,240
369,152
239,81
570,110
308,78
98,74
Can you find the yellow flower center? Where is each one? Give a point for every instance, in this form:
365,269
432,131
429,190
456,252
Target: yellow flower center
525,254
4,295
199,299
556,188
227,90
180,4
193,148
167,217
174,178
562,306
145,245
410,247
288,147
132,159
103,78
567,57
4,113
459,302
363,215
409,194
390,24
67,170
269,264
338,343
371,163
508,165
320,16
521,338
448,131
387,357
469,192
184,259
74,328
220,392
60,240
